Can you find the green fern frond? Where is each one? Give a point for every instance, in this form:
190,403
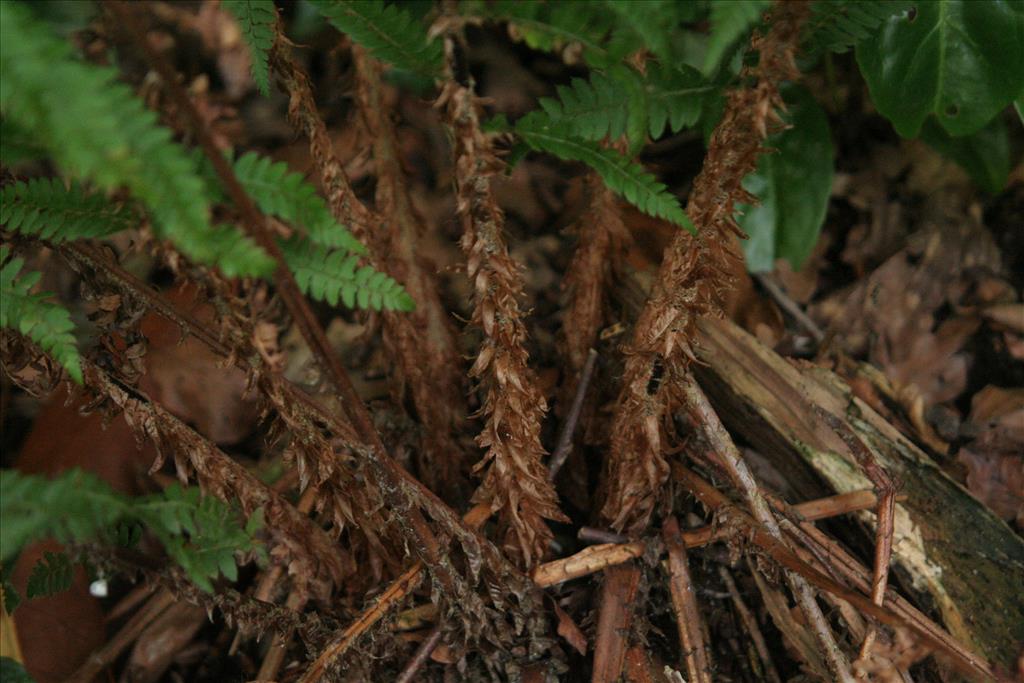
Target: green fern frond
619,173
74,506
676,97
45,208
608,105
551,26
44,322
333,275
652,22
256,18
621,101
729,21
285,194
95,127
391,34
50,575
17,145
837,25
201,533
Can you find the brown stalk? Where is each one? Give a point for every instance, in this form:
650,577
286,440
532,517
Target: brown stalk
965,661
617,600
421,655
688,619
598,557
403,494
601,239
693,274
726,455
750,623
125,636
514,485
885,513
395,593
564,445
422,341
308,417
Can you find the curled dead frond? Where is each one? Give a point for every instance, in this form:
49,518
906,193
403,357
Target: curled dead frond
515,483
693,275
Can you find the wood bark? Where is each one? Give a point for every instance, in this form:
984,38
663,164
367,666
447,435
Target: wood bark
960,558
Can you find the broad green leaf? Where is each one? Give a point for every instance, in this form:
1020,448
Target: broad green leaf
793,185
961,60
985,155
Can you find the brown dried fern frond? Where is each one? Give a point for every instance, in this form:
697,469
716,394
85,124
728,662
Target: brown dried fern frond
515,483
693,275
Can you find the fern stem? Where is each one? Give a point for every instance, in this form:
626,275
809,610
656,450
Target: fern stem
515,483
423,341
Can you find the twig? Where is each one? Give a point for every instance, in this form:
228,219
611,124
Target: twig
590,534
421,655
964,660
598,557
684,601
885,514
618,597
750,623
728,456
564,446
126,635
394,594
790,306
296,600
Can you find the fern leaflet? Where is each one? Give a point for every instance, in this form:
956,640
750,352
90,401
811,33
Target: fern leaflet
729,21
620,101
619,173
17,145
201,533
95,127
331,276
45,208
50,575
44,322
391,34
256,18
837,25
287,195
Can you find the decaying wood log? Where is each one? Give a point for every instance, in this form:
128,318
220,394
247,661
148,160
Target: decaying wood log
958,555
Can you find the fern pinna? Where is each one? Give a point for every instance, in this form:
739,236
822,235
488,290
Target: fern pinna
34,315
256,18
200,533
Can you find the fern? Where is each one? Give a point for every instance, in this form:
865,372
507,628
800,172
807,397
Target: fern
837,25
331,276
256,18
201,534
13,672
96,128
50,575
555,25
729,21
17,145
620,101
44,322
287,195
391,34
619,173
45,208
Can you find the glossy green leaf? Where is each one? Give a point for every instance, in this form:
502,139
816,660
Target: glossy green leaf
793,185
985,155
961,60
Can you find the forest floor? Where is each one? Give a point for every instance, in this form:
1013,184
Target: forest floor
911,301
